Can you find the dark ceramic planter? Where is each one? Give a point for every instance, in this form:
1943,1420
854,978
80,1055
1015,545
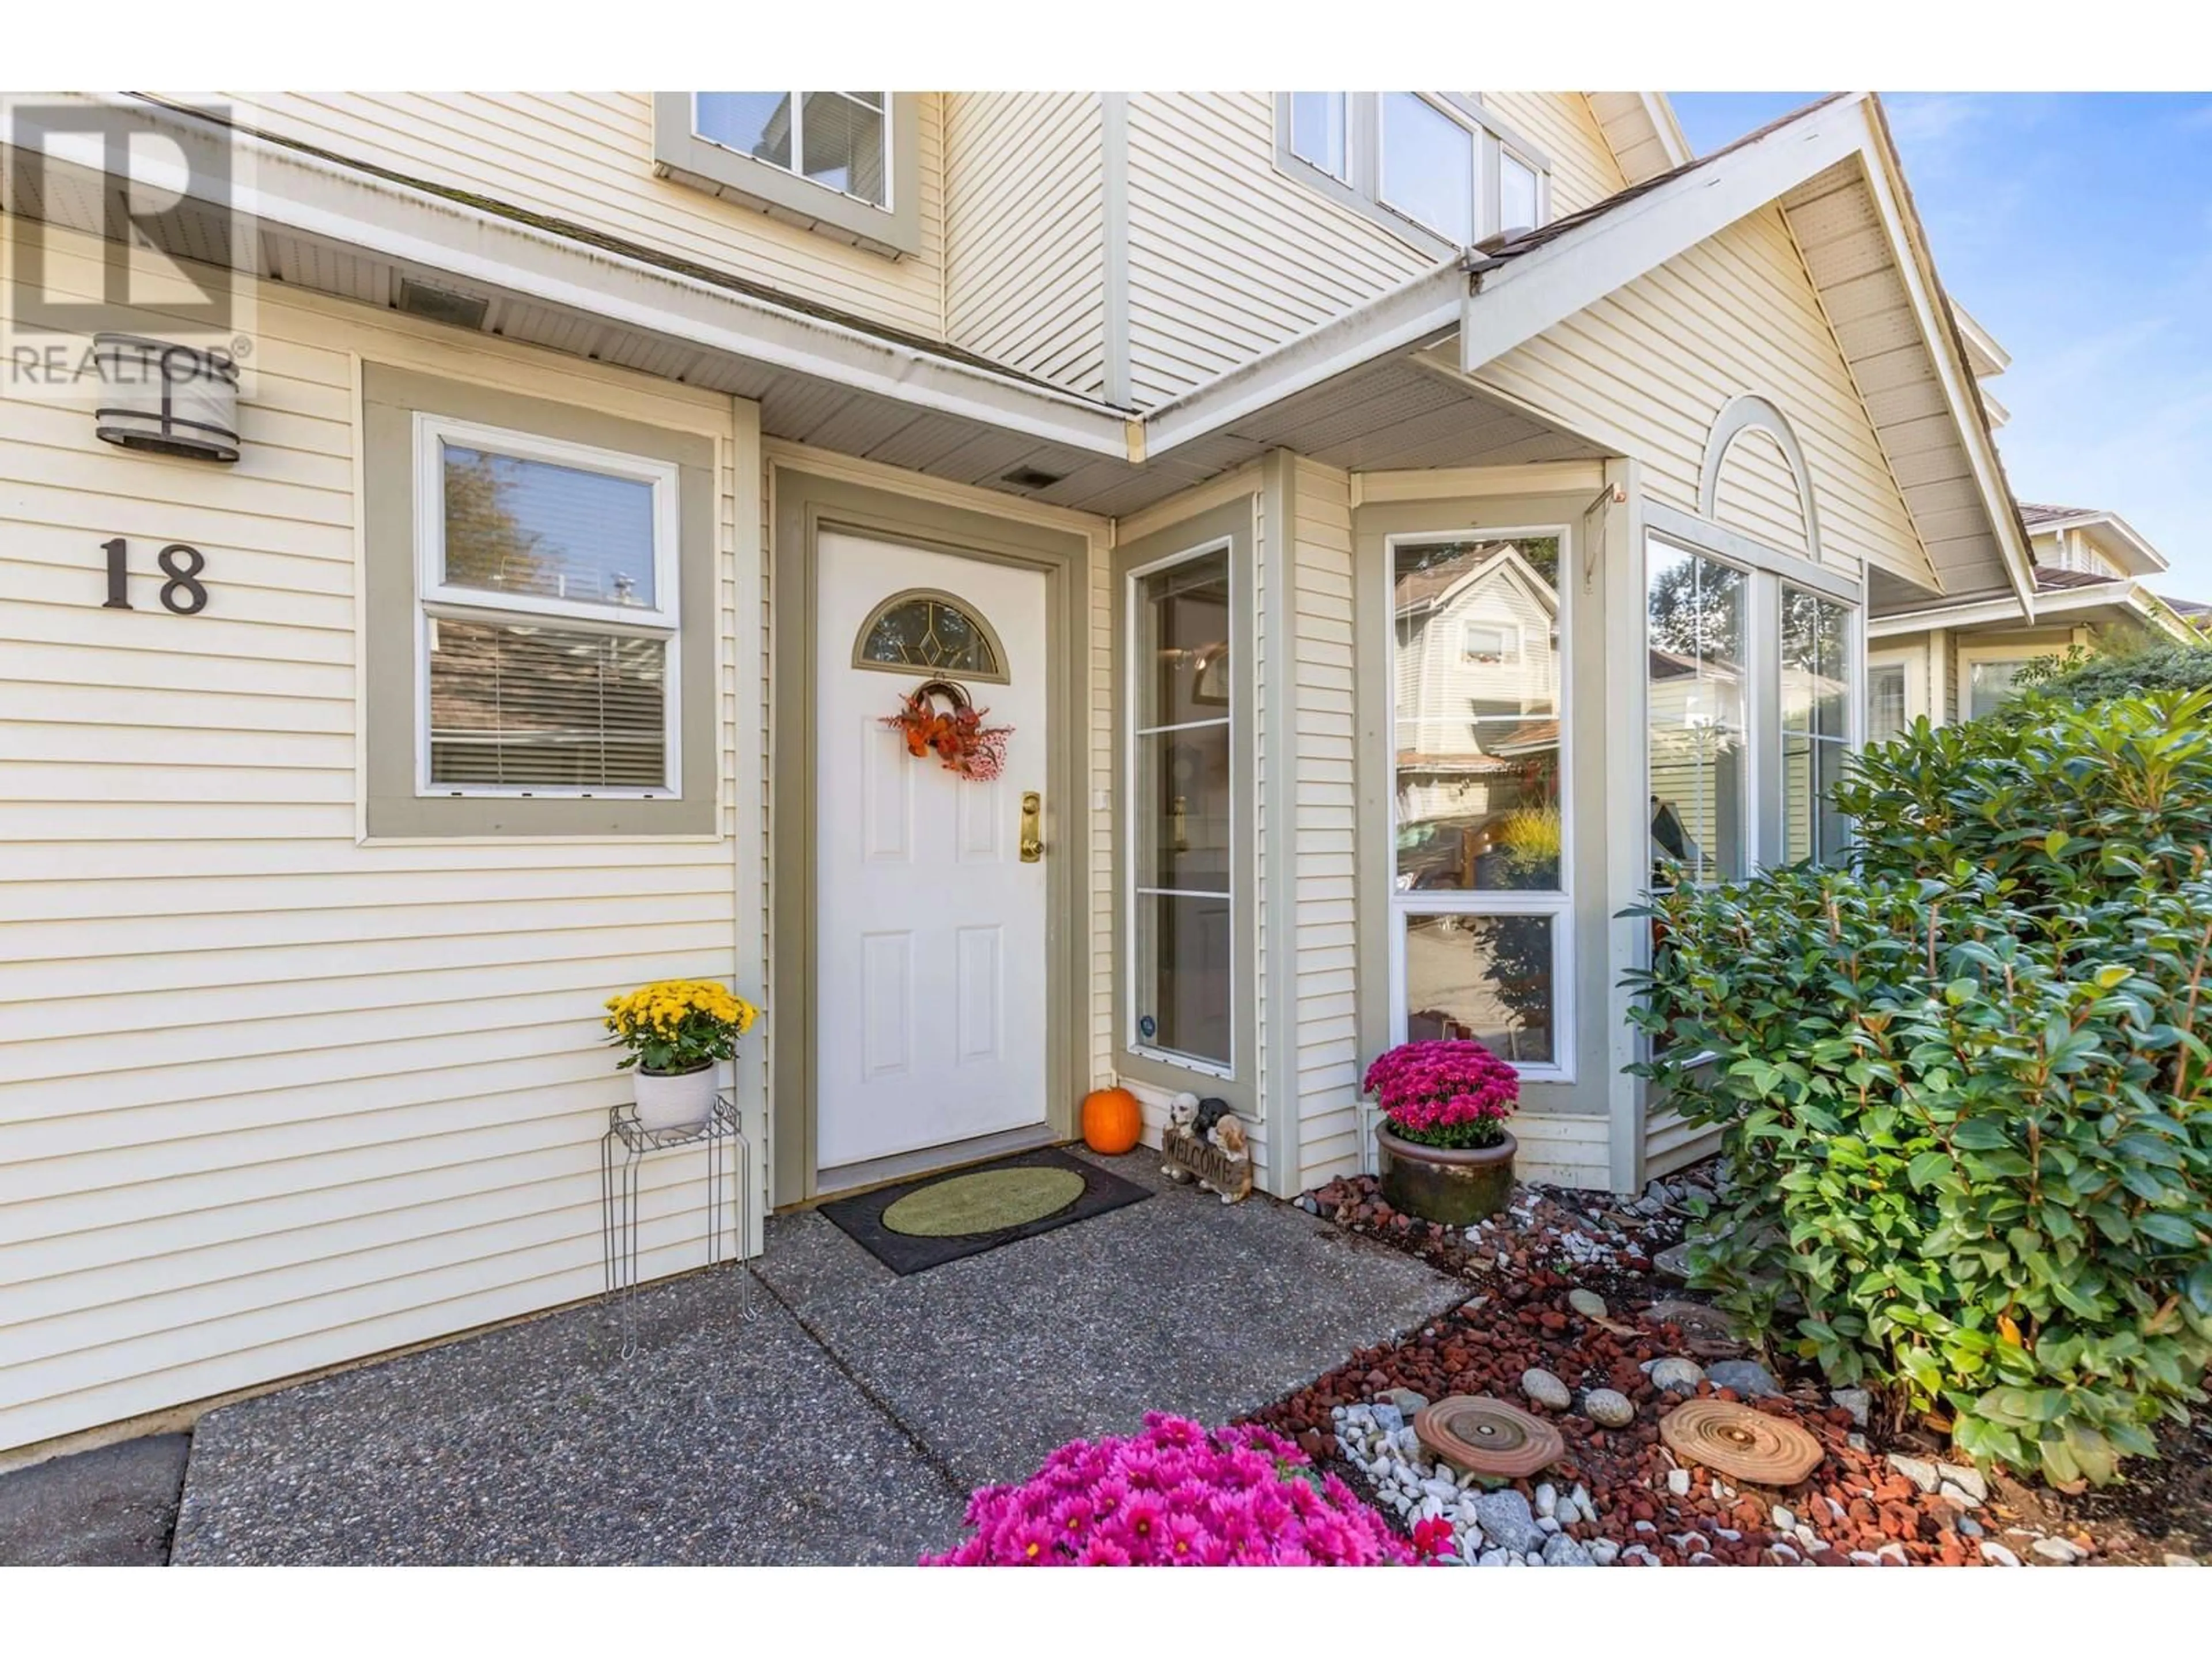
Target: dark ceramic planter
1456,1186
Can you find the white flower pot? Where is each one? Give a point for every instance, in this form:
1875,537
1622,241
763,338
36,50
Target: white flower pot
680,1101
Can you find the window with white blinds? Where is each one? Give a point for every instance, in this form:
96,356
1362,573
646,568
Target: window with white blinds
547,589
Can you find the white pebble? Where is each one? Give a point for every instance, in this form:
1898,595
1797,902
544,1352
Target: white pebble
1678,1482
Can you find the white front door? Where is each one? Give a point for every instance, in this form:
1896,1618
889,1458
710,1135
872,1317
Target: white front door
930,1012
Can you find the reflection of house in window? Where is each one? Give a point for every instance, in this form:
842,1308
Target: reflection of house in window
1697,750
1490,642
1477,673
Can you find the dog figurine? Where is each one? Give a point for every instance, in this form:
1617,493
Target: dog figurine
1228,1135
1183,1114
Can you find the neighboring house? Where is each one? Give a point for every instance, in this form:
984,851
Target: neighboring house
1954,661
1373,594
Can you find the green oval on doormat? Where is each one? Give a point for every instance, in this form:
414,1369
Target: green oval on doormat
983,1202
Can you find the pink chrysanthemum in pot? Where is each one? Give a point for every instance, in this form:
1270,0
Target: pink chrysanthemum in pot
1445,1093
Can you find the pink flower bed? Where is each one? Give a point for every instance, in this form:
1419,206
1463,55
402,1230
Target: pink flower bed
1178,1496
1445,1093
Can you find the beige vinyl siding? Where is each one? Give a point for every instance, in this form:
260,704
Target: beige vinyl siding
1324,802
1566,1150
276,1098
1024,238
1648,368
1563,127
1228,256
1671,1144
1757,493
586,157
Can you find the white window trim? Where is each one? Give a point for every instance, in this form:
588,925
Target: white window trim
1290,138
436,598
1559,905
1482,206
1495,157
797,169
1967,656
1132,892
1767,574
1854,695
1762,714
1360,191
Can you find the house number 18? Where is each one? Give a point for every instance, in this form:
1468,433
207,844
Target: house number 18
182,593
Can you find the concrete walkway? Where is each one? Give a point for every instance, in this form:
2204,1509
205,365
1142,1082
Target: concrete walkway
811,1406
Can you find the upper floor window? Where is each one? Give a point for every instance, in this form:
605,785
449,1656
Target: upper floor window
838,139
1318,136
1428,166
1433,167
845,163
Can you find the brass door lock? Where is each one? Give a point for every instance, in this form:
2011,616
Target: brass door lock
1032,835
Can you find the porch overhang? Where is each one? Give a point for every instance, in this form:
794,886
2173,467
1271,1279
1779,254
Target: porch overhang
1380,387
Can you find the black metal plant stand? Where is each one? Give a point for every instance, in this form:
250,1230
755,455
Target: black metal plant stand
618,1168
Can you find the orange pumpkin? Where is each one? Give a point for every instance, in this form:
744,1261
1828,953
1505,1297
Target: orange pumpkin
1111,1121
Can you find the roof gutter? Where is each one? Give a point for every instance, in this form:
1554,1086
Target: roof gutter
1410,315
331,202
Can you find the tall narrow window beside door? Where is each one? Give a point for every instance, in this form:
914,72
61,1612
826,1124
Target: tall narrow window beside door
1181,759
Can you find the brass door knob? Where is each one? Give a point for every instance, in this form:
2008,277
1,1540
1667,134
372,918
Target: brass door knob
1032,834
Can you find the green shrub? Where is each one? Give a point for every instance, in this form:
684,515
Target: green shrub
2123,668
1963,1086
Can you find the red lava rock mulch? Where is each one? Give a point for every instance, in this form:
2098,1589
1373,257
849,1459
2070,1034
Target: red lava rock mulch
1854,1500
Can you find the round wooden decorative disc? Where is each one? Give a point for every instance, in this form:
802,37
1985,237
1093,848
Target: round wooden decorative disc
1742,1444
1488,1436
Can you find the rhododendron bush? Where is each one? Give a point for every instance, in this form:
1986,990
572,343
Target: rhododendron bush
1445,1093
1177,1495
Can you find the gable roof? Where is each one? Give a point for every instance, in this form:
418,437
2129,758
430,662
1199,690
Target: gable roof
1833,169
2114,537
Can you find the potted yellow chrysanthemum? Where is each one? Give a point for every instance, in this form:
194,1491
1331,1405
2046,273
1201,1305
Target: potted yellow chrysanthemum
676,1032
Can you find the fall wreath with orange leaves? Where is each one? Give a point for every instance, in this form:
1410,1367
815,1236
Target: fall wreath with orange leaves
955,734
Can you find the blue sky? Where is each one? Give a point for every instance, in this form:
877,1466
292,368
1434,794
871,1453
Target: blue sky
2076,228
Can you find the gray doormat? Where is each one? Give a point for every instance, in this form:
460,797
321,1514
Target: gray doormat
861,1216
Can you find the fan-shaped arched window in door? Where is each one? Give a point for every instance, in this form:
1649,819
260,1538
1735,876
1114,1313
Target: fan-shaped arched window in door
925,628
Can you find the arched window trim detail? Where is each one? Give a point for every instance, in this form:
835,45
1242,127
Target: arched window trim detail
994,675
1743,414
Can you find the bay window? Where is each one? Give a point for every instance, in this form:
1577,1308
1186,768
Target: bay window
1750,701
1480,923
1699,714
1816,698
